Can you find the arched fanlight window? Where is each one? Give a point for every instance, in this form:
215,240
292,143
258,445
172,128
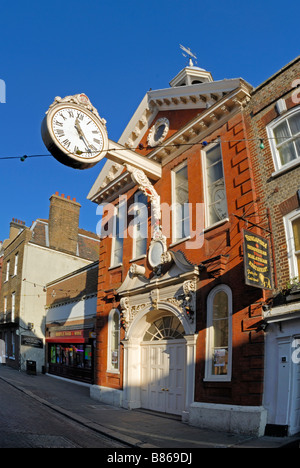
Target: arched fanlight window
113,356
165,328
219,339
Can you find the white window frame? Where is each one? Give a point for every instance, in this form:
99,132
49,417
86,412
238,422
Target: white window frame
116,235
176,240
7,270
13,306
288,224
279,167
135,254
208,222
209,376
5,308
16,264
110,367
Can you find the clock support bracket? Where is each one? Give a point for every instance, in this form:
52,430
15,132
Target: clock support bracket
125,156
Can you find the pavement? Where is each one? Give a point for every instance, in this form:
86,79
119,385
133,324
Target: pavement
135,428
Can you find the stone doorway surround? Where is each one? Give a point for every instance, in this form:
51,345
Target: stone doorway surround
171,290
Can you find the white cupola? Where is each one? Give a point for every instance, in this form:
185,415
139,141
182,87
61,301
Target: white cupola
191,75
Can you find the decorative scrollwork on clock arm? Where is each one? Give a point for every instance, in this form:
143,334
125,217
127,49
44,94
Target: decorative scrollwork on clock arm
81,100
125,312
144,184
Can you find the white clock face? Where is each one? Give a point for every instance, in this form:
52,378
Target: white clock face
77,133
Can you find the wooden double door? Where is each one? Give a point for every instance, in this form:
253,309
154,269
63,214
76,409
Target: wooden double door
163,375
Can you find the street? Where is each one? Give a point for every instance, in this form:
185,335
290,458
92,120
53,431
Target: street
26,423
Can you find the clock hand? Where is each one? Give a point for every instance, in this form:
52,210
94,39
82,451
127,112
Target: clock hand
81,135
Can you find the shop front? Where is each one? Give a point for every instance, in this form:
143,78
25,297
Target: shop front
70,355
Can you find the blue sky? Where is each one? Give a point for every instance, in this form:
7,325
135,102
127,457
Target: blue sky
114,51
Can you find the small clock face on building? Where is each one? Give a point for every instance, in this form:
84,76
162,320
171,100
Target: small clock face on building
74,134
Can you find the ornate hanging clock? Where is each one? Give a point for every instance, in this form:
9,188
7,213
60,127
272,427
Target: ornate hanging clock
74,133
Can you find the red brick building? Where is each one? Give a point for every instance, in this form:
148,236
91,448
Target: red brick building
273,118
190,341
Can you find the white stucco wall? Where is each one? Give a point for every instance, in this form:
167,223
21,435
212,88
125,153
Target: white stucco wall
82,309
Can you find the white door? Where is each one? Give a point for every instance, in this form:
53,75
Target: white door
288,387
163,376
295,394
283,382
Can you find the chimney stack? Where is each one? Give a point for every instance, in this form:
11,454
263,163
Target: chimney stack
14,228
63,223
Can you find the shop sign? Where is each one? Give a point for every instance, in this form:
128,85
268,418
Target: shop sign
31,341
69,333
257,261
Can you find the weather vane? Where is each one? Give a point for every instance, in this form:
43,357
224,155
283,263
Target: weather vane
189,54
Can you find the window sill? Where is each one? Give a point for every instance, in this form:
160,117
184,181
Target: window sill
286,168
141,257
219,223
115,266
180,241
217,379
113,371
